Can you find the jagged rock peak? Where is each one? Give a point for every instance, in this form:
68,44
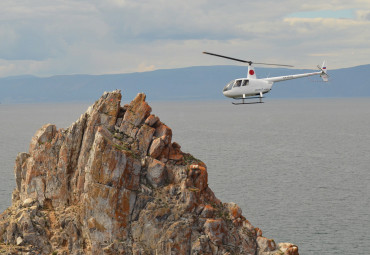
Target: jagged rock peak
115,183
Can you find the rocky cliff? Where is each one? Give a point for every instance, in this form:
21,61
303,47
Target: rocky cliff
115,183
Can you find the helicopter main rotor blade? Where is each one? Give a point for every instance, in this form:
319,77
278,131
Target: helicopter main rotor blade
221,56
271,64
244,61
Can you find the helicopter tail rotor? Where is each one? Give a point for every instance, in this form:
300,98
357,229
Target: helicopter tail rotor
324,75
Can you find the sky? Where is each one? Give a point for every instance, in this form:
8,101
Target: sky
62,37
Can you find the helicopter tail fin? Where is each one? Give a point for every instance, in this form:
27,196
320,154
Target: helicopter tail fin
324,75
251,73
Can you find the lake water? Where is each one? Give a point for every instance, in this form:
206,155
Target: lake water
299,169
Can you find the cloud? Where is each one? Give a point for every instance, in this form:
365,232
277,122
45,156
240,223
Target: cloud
111,36
325,54
335,14
363,15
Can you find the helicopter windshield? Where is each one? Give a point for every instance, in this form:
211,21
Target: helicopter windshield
229,85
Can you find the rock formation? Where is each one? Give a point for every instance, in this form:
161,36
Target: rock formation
115,183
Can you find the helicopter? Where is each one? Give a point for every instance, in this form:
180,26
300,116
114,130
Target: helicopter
251,87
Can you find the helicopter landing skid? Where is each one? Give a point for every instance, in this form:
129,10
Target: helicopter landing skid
243,102
247,103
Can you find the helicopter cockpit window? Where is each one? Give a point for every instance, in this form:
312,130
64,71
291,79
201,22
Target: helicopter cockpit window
229,85
245,82
237,83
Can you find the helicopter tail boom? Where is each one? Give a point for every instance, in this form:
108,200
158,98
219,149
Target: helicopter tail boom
323,74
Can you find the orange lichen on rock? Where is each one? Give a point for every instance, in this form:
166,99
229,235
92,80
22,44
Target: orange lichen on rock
199,175
288,249
216,230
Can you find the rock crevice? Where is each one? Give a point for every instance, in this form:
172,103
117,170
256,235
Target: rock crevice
115,183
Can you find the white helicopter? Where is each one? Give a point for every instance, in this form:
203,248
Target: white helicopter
251,87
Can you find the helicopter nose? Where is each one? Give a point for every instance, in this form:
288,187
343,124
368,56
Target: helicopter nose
226,93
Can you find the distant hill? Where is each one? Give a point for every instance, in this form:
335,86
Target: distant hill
192,83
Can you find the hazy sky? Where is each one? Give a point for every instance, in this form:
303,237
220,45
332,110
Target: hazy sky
46,38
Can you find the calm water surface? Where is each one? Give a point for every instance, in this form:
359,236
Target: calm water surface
299,169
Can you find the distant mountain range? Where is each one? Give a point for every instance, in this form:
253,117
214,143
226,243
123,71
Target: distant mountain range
191,83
